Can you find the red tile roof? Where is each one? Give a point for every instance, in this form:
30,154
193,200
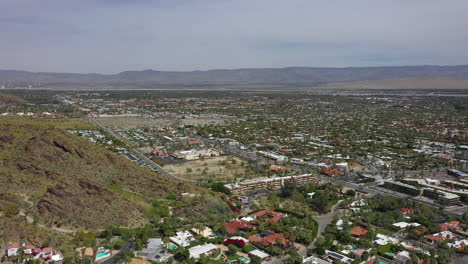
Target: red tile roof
330,172
271,238
452,225
276,216
14,245
47,250
234,226
437,239
358,231
407,211
30,247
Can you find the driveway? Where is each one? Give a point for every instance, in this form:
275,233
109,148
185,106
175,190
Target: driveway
325,219
129,246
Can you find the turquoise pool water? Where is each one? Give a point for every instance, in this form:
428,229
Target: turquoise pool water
171,246
244,260
383,262
101,255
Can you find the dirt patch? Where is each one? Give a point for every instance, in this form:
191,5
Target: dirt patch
225,168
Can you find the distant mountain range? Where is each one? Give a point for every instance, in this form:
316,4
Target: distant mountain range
294,76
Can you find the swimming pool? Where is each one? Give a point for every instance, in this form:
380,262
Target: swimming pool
172,246
102,255
383,262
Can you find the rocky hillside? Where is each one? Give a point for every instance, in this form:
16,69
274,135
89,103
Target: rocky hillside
62,179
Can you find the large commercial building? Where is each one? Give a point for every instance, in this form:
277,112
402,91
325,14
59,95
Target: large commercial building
457,173
194,154
444,198
270,183
402,187
455,187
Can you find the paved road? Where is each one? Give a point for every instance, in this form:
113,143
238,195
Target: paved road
324,220
119,257
140,155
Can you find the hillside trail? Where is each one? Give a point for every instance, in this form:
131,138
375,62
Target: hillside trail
30,219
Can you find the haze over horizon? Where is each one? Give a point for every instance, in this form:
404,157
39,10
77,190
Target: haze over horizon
113,36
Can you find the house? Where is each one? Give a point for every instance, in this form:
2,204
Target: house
44,253
269,238
315,260
383,240
340,223
329,172
440,237
358,203
12,249
153,244
343,165
270,214
248,218
405,211
201,250
236,240
259,254
405,225
237,225
332,256
206,232
286,150
359,252
452,225
358,231
154,251
403,256
182,238
459,244
410,247
49,254
29,249
352,165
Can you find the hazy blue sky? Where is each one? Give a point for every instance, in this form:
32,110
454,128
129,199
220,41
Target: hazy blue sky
109,36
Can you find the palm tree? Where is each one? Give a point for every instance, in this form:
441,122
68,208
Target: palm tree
200,227
83,252
127,258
